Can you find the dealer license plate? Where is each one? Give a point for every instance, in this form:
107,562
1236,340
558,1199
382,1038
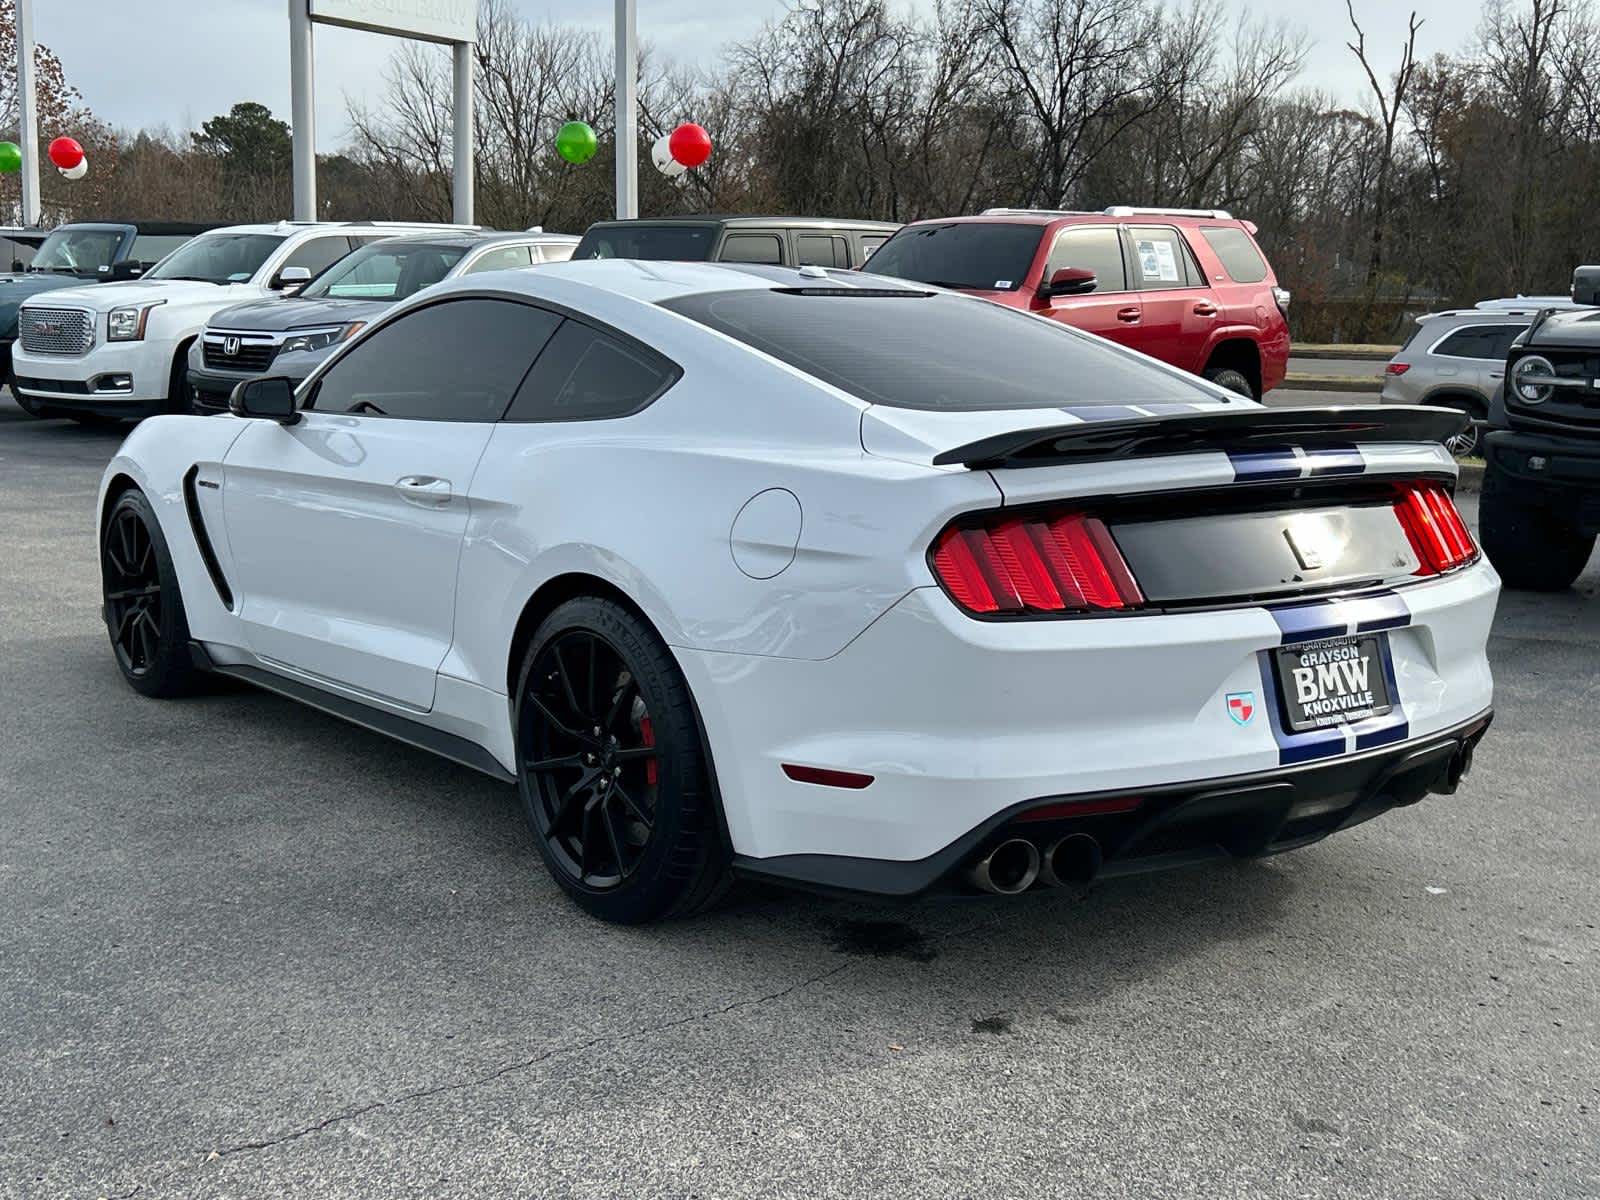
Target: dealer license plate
1334,682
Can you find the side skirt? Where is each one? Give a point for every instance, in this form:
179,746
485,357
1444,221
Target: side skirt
402,729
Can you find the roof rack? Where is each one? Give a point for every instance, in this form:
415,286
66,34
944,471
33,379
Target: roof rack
1209,214
1038,212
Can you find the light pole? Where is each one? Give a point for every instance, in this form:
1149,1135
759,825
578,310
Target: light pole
28,114
627,104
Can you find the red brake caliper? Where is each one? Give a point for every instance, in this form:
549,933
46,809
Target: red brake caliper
648,734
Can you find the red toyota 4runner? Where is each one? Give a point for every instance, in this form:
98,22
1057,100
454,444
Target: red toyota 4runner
1187,286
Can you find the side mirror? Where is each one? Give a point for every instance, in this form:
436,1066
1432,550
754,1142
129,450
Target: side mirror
271,397
1586,286
290,279
1070,281
127,270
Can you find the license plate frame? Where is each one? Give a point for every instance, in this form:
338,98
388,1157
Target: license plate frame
1349,681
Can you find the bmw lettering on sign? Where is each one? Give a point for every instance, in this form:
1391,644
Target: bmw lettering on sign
1334,682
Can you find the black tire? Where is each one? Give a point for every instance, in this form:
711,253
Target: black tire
25,404
1533,549
626,819
178,398
143,606
1234,381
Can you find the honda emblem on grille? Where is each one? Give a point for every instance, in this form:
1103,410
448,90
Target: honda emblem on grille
230,346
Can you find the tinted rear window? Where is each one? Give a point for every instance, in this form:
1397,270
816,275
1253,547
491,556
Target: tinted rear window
1239,256
674,243
918,350
986,255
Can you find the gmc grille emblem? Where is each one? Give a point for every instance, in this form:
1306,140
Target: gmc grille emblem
230,346
47,328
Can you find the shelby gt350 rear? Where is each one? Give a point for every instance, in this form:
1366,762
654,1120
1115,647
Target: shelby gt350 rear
820,578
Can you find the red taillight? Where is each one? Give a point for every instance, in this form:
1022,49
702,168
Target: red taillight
1397,368
1435,529
1067,563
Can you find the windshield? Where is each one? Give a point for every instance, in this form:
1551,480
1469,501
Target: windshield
933,351
385,271
675,243
218,257
984,255
78,251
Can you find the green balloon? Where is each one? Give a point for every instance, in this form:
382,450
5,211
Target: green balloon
576,142
11,157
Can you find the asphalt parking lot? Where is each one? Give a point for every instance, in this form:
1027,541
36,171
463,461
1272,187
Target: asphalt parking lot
249,951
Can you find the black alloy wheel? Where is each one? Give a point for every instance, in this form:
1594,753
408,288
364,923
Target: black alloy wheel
143,609
595,759
613,769
133,593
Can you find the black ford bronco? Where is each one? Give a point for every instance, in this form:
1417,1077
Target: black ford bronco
1541,490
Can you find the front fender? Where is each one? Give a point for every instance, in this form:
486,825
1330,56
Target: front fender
156,457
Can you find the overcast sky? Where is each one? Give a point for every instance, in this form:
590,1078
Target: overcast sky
177,62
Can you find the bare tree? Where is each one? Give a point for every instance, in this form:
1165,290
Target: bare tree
1390,102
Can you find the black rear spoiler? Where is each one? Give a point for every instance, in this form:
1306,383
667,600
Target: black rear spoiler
1224,429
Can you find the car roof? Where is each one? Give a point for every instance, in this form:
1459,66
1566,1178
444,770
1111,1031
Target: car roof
652,281
472,241
385,228
744,221
1479,316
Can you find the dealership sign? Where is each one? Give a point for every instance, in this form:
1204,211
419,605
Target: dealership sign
434,20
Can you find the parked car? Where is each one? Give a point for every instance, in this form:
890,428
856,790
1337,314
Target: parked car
1187,286
1456,359
94,252
121,350
818,577
289,336
18,245
776,241
1540,509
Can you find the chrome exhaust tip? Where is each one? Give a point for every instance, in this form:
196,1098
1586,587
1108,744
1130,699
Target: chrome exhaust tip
1009,868
1074,859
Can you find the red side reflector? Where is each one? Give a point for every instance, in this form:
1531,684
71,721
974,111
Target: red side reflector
1038,563
1081,808
1434,528
825,777
1397,368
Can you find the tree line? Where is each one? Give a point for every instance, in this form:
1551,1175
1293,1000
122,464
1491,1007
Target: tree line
1455,175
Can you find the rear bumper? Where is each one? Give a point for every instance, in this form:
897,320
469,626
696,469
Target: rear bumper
960,721
1246,815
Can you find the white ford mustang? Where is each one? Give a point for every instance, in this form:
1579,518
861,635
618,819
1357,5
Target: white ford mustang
819,577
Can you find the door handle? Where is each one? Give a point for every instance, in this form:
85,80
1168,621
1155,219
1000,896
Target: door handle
1497,374
1130,315
423,489
1204,308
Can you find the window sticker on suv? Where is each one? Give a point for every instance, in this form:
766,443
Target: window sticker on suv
1157,261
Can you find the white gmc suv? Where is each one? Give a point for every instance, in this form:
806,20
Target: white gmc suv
121,350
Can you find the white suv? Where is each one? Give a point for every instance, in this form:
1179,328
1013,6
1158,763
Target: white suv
120,350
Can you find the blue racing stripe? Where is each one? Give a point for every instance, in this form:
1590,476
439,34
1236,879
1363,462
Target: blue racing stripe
1256,465
1382,610
1295,747
1310,622
1392,726
1339,460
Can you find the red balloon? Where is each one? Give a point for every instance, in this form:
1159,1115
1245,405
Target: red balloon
66,153
690,144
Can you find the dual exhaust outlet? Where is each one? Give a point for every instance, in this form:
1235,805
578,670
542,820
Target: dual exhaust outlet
1016,864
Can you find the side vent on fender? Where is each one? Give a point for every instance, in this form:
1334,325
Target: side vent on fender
197,523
